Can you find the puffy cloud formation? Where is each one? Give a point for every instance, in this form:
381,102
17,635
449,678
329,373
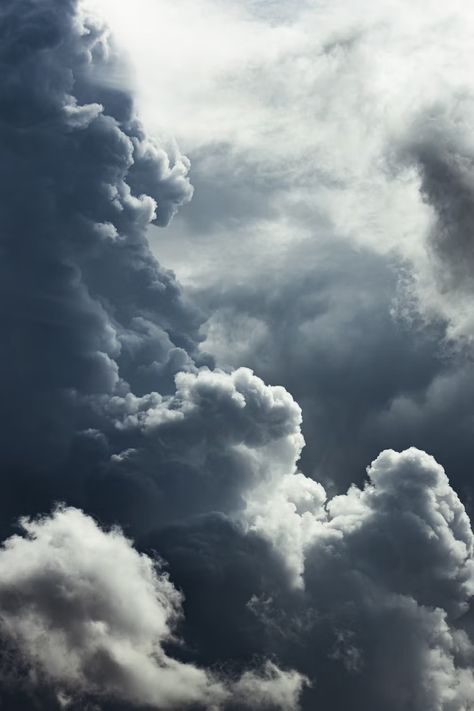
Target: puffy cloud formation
93,321
275,594
88,309
388,577
331,154
92,617
367,594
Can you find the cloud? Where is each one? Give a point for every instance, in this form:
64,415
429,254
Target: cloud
312,79
387,567
388,577
278,593
93,617
321,323
88,309
94,322
306,189
202,449
439,145
367,593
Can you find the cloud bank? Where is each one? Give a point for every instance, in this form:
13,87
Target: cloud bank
144,407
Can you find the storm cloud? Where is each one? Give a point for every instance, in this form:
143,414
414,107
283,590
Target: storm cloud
169,541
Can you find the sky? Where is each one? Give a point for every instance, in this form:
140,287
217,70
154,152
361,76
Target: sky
236,371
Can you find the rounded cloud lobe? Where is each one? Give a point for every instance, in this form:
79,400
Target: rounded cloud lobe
274,595
93,614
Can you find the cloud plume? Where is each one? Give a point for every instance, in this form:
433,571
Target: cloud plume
144,406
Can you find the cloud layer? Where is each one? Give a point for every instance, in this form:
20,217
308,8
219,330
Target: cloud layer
144,406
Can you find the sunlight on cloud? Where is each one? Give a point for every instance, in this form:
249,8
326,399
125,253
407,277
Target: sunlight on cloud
326,247
318,104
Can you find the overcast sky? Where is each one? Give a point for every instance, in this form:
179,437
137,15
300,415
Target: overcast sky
236,371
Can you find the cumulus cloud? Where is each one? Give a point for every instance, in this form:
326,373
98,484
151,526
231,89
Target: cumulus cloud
386,568
406,514
277,593
388,575
297,186
92,617
367,593
100,328
88,309
203,449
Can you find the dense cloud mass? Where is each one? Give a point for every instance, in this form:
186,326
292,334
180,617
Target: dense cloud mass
169,540
93,614
90,616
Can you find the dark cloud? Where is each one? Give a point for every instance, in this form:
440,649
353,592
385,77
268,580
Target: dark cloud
385,627
97,331
272,596
91,618
382,617
322,323
221,567
92,614
86,307
443,154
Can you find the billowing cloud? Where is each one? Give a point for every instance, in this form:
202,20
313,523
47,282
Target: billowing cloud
92,618
277,592
87,308
92,615
331,214
389,573
93,322
367,593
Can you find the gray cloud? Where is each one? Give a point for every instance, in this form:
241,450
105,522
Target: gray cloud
93,615
388,576
92,618
95,323
438,143
277,594
321,323
83,300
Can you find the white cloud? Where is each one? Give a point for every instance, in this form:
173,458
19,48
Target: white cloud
317,101
92,615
